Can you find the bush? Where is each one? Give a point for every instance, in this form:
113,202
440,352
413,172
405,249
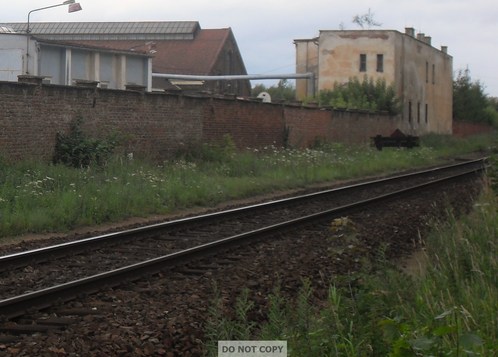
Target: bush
216,152
366,95
77,150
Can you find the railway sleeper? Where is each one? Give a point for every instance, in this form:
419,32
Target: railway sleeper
4,338
57,321
24,329
191,271
79,311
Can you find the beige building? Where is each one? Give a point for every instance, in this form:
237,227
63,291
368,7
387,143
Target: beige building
420,73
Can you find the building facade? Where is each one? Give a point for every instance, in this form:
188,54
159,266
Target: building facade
69,64
421,74
176,47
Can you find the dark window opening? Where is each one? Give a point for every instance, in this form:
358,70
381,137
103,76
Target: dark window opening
426,72
433,74
426,113
363,62
418,112
380,63
410,112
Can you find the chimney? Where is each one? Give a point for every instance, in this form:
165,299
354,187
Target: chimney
444,49
427,39
410,31
420,36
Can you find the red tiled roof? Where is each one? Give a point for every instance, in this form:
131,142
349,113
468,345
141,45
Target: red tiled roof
196,56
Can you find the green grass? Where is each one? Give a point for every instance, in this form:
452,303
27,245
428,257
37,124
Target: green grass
449,310
455,304
36,197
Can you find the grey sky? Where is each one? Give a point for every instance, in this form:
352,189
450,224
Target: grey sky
265,30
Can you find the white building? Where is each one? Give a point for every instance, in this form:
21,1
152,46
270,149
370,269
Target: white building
65,63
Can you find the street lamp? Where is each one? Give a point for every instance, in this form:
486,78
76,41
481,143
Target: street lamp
73,7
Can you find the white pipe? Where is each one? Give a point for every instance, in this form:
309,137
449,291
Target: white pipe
232,77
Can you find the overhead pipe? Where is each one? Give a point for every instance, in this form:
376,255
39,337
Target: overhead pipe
308,75
232,77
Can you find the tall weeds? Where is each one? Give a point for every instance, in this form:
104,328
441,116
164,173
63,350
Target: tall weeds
37,197
451,309
460,290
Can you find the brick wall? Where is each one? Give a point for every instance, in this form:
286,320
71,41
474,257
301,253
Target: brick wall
158,124
250,124
359,127
309,125
152,125
463,129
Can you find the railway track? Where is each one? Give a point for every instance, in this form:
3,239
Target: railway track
37,279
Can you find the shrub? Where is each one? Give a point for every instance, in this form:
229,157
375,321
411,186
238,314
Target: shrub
366,95
217,152
75,149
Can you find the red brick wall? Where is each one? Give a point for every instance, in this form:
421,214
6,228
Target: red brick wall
359,127
157,124
152,125
250,124
253,124
309,125
463,129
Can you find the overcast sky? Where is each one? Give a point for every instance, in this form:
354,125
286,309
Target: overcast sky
265,29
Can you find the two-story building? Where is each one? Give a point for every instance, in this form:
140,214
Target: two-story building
421,74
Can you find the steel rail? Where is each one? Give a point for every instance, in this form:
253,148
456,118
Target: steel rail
43,254
19,305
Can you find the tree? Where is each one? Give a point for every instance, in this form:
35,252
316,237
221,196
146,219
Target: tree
470,103
284,90
366,20
493,101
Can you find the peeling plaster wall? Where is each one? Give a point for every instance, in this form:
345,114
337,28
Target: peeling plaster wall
339,56
426,79
421,74
306,61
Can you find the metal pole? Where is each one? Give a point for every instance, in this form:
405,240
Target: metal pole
28,30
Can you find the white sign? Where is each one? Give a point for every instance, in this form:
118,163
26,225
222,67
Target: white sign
252,348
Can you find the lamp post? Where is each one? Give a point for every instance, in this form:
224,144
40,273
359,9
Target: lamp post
73,7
